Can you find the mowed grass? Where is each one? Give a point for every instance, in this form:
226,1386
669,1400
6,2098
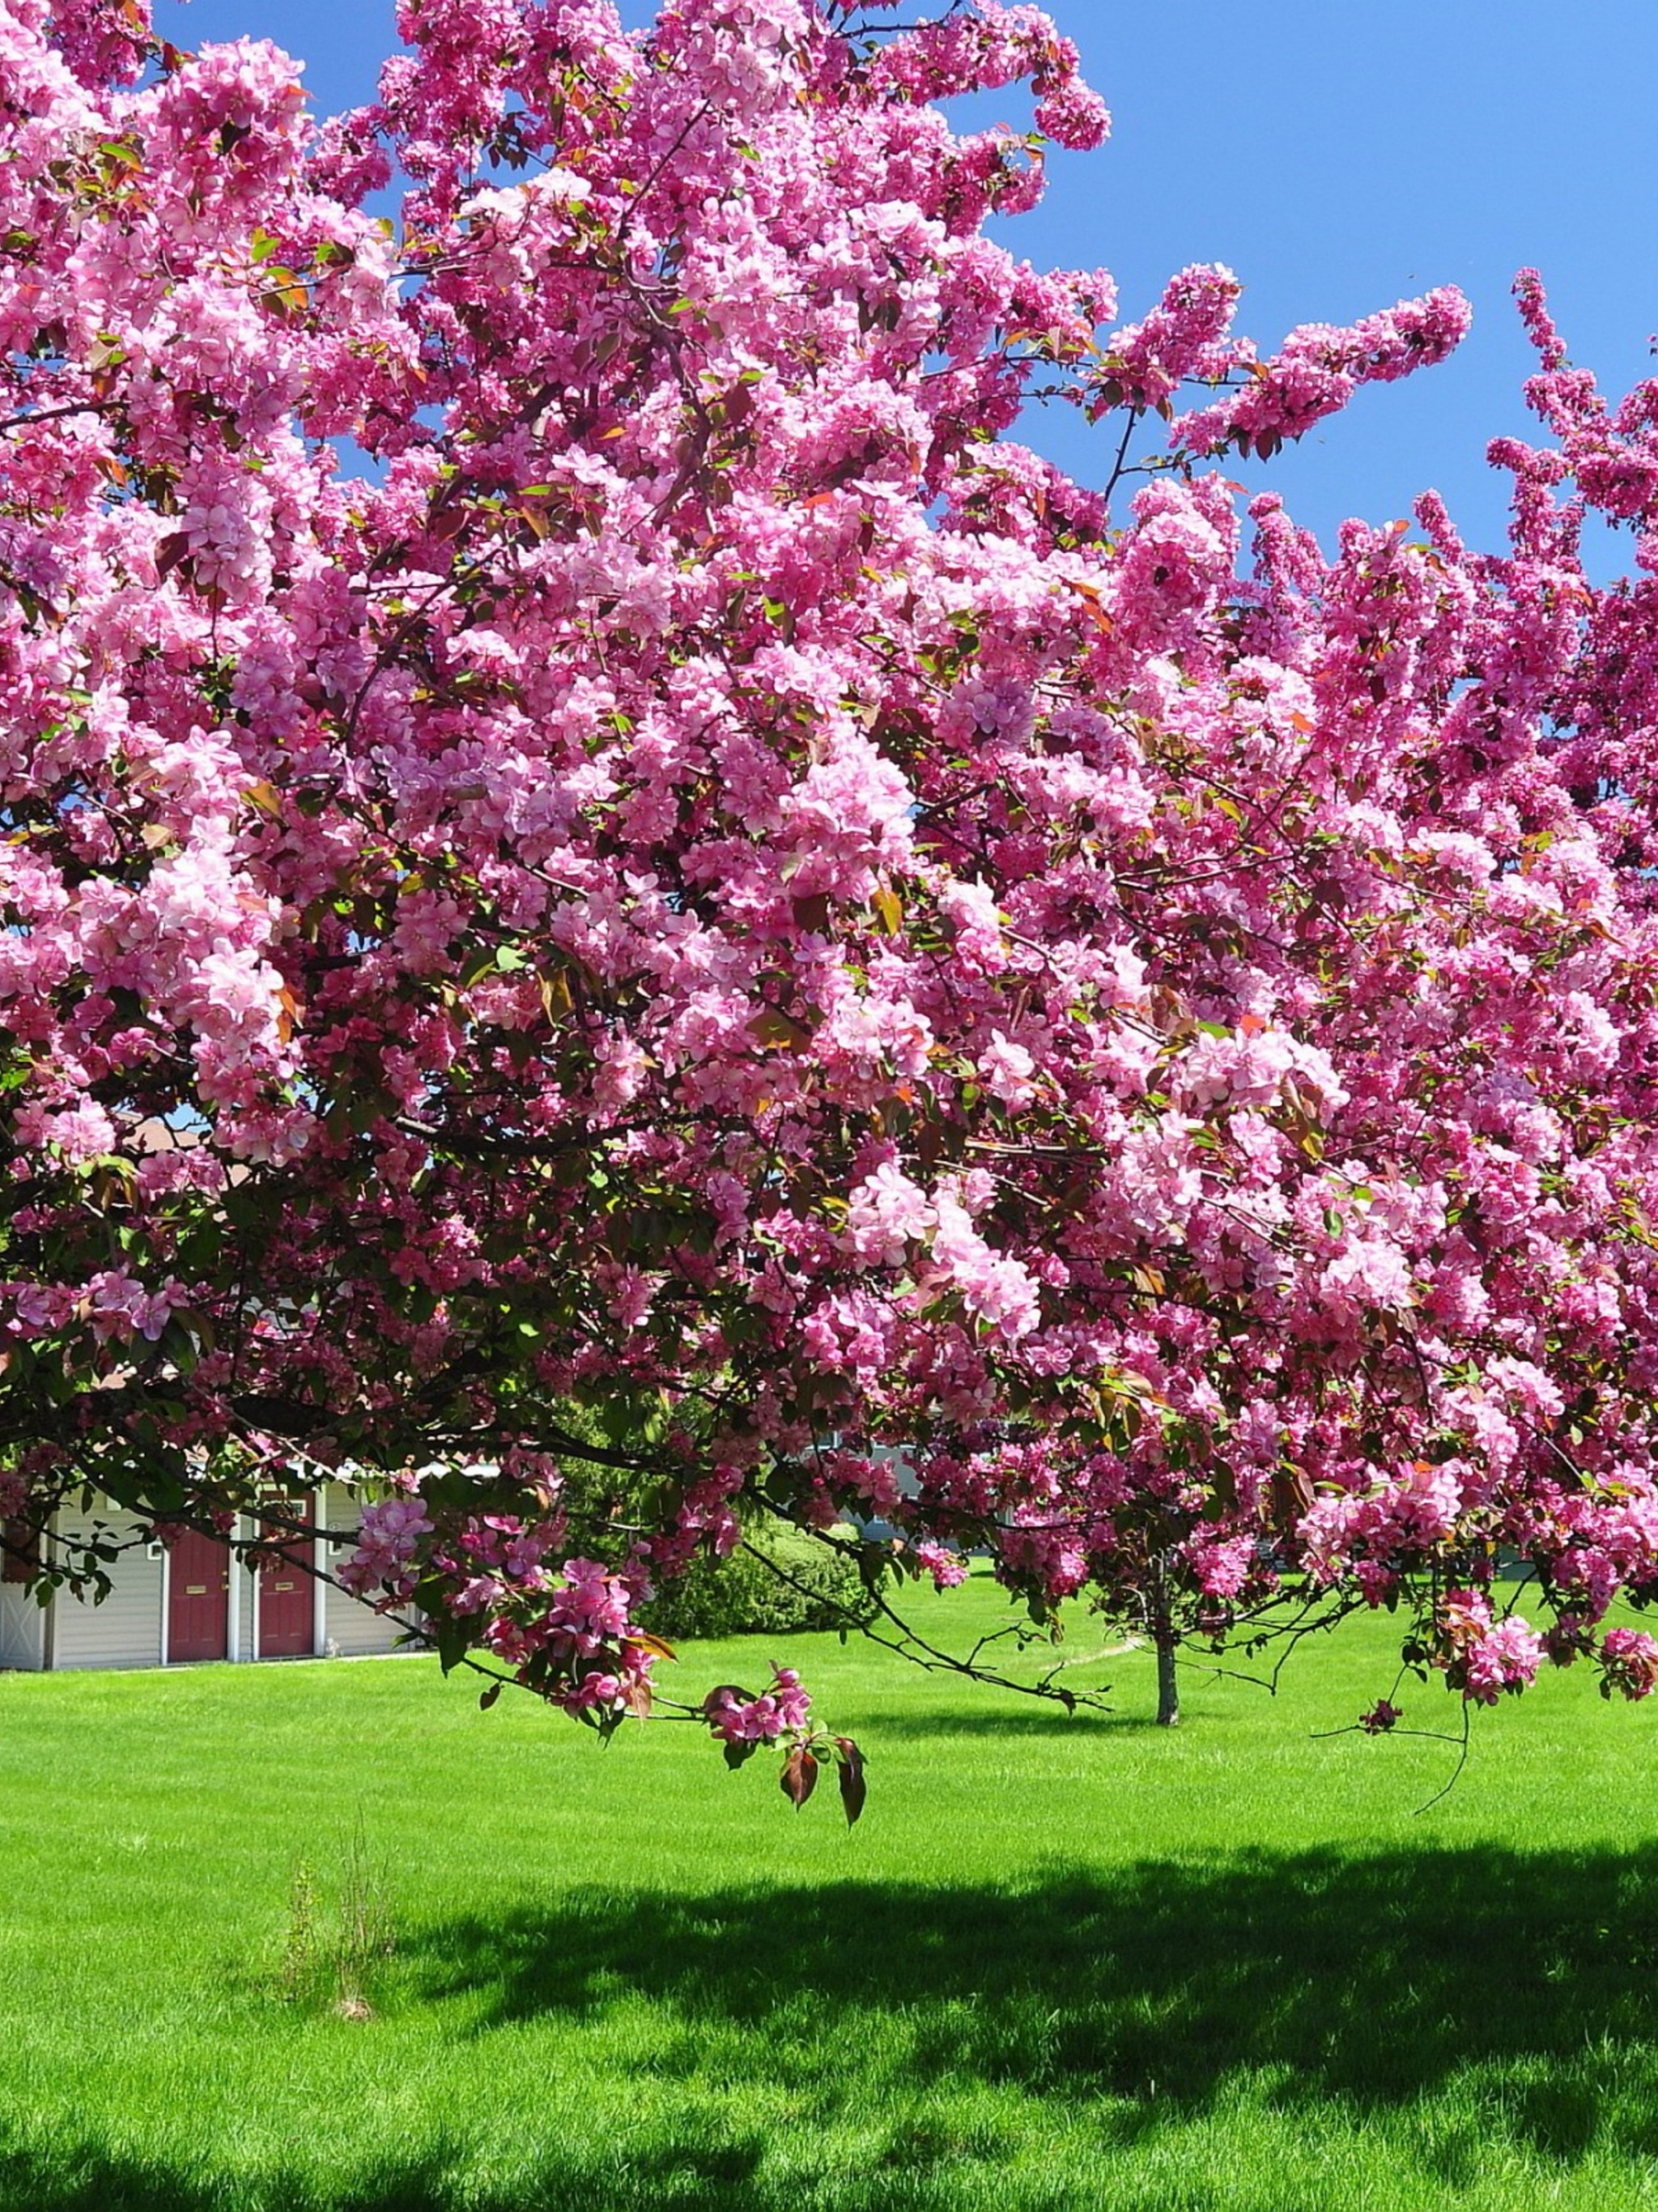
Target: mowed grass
1060,1964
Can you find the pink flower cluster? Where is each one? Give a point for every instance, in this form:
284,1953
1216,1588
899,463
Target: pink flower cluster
948,1569
1186,335
1318,369
388,1539
1629,1663
736,1717
1484,1657
575,1639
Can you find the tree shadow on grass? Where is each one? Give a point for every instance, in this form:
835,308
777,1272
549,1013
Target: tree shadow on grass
1366,1980
1023,1721
1032,1721
87,2177
1340,1992
78,2177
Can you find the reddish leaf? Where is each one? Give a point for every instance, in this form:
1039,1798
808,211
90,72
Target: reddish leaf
800,1775
854,1788
638,1699
169,552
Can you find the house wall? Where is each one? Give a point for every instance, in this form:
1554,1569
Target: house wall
350,1630
22,1629
125,1630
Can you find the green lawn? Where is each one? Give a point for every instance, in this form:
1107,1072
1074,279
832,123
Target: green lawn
1082,1964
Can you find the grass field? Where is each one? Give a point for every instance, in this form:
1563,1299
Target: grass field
1060,1964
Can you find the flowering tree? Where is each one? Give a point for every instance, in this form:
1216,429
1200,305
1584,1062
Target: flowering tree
702,929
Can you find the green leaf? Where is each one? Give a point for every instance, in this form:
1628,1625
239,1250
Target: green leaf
453,1641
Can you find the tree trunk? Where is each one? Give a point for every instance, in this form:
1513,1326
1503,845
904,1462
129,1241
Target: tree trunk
1167,1691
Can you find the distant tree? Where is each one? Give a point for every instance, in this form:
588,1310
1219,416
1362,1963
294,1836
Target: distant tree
692,877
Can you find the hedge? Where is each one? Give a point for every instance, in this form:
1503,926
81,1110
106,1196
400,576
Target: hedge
742,1596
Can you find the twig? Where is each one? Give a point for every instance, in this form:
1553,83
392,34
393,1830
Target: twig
30,417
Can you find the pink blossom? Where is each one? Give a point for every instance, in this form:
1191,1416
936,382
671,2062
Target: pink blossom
1007,1068
1629,1663
736,1717
1506,1657
1000,1291
80,1133
121,1307
947,1568
885,1213
388,1538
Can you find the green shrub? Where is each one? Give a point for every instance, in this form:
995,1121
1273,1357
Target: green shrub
743,1596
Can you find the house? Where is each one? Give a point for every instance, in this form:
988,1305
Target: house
190,1599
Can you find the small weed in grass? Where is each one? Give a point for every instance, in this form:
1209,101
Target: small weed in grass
299,1952
332,1954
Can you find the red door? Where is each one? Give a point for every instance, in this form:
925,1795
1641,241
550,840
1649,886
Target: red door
197,1597
285,1609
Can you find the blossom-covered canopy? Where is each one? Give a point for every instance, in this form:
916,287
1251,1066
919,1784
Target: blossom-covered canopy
609,888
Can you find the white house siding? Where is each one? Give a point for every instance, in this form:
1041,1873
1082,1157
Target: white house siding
125,1630
350,1630
22,1629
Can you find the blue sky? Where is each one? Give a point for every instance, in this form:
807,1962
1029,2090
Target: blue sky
1339,157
